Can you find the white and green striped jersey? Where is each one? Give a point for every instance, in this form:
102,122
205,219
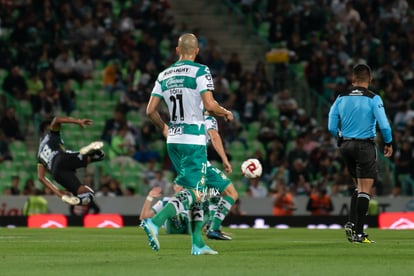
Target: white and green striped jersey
210,123
181,86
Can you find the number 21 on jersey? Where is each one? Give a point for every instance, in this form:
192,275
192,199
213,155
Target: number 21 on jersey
177,107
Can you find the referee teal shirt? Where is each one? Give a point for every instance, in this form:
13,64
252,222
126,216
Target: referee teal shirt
355,113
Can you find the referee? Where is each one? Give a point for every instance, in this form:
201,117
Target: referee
352,119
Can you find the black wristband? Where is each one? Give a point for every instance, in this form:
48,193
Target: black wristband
388,144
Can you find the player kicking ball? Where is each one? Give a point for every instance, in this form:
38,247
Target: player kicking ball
62,163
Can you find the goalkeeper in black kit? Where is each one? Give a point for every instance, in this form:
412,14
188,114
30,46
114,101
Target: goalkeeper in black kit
62,164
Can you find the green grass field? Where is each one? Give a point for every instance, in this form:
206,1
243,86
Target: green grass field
125,251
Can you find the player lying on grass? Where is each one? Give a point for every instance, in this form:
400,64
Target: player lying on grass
62,163
178,224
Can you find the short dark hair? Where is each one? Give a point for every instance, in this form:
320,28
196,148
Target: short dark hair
362,72
44,126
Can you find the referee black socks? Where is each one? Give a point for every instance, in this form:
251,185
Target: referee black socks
361,211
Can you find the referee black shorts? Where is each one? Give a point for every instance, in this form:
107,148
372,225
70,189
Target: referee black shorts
360,157
64,170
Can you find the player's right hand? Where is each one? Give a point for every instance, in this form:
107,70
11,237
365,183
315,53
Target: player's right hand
85,122
71,200
227,166
229,116
388,151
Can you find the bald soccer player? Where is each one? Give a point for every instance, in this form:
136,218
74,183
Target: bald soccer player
187,88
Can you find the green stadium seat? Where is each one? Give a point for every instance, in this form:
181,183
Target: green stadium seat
84,95
135,117
88,86
85,106
237,150
272,113
255,145
7,170
253,130
99,66
101,94
160,147
263,29
18,150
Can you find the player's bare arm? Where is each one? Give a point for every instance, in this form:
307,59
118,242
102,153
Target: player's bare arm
212,106
154,115
41,175
219,148
57,121
146,211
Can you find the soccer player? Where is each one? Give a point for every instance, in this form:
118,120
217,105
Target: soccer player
178,224
218,181
352,119
186,87
62,164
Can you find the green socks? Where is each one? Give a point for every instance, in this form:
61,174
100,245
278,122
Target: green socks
197,224
223,209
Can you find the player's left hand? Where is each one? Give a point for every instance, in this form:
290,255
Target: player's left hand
227,166
155,192
85,122
165,131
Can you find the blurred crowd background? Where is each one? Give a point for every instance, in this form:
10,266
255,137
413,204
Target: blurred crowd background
99,60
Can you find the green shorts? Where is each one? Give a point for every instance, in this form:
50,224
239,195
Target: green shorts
216,179
190,162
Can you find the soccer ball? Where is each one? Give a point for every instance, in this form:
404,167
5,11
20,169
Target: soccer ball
251,168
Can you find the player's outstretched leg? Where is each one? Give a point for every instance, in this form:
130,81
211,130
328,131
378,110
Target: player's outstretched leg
97,155
92,147
152,233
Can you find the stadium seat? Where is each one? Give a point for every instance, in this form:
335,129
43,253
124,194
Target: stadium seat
18,150
272,113
84,94
237,177
255,145
160,147
237,150
7,170
253,130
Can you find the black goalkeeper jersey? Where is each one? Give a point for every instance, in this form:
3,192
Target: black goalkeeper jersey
50,146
